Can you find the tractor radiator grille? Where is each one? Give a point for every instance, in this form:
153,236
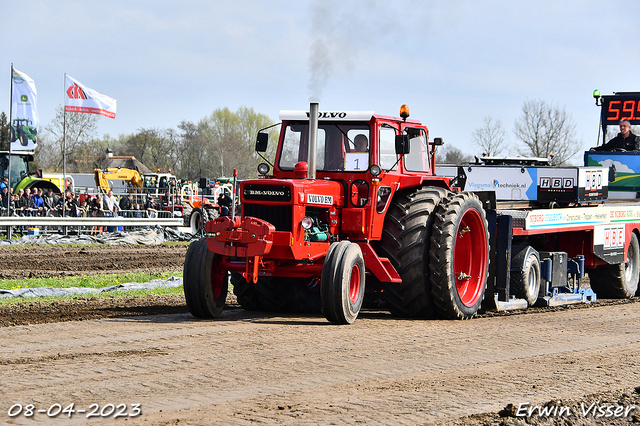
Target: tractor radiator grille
278,216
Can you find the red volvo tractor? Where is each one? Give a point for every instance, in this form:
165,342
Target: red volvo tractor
352,212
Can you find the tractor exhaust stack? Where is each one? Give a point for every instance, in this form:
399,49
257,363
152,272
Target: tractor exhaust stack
313,139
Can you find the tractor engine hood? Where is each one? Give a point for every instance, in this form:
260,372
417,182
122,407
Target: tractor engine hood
297,192
272,220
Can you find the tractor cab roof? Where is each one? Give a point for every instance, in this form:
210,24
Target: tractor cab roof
328,115
289,115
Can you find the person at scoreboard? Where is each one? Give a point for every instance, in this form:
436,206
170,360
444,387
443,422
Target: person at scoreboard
625,141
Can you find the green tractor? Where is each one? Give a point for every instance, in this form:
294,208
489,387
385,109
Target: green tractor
23,131
21,176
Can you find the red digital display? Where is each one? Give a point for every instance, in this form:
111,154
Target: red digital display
616,109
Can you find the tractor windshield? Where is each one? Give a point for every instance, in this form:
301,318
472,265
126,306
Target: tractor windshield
19,168
341,147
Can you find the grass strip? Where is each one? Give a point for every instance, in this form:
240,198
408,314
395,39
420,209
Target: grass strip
90,281
159,291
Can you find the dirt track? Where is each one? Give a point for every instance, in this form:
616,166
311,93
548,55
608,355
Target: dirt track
39,261
254,367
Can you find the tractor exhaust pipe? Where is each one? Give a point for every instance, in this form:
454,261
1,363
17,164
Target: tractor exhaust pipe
313,139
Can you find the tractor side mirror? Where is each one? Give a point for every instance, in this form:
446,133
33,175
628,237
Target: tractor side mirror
261,142
402,144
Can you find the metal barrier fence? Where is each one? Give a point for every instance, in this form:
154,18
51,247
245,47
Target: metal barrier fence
83,225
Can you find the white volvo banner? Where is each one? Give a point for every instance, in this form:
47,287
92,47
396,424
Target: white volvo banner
79,98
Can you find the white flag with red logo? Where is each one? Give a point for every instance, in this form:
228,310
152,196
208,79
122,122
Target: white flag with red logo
79,98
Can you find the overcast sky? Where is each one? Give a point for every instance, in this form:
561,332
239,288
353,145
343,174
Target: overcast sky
453,62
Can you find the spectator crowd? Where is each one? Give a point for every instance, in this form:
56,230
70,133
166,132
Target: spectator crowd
39,202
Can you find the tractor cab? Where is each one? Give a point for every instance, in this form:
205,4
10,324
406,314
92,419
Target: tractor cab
19,167
21,176
351,142
362,160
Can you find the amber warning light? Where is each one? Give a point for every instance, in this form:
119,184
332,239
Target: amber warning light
404,112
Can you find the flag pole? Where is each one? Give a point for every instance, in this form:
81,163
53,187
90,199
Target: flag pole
10,119
64,148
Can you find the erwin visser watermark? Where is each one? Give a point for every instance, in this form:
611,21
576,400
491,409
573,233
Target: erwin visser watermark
595,410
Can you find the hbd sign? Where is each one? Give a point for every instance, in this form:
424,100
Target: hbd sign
557,183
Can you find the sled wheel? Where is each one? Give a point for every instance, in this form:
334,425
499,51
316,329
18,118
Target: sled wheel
525,281
405,242
245,293
619,281
205,281
342,283
459,256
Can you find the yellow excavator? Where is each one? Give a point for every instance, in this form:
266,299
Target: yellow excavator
131,177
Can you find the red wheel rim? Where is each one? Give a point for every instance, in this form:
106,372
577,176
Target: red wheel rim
218,276
470,257
354,285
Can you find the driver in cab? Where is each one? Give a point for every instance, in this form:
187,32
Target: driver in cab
625,141
361,143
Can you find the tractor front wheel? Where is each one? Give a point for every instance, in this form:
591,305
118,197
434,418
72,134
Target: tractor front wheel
342,282
205,282
459,256
197,220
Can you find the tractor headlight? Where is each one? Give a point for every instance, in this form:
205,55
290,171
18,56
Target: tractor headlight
307,222
263,168
375,170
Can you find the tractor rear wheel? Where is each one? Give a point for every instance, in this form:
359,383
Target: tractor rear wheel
274,294
212,214
305,295
459,256
186,213
342,282
245,293
619,281
205,281
405,241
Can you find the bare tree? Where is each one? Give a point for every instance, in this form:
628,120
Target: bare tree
490,137
452,155
192,161
155,148
227,141
80,130
546,129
